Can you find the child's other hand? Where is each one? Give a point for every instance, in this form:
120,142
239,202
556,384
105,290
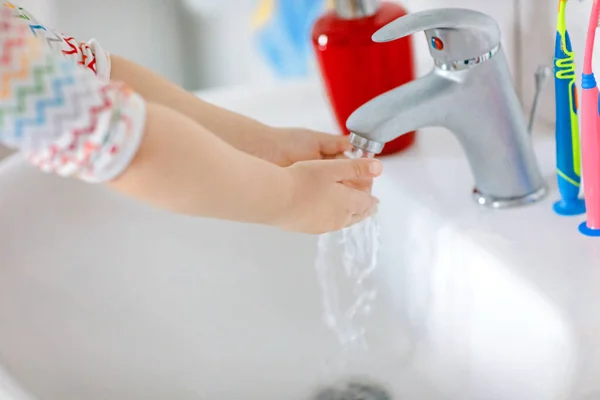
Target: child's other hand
286,146
324,195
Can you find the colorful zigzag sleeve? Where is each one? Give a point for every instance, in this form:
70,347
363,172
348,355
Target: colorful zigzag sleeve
90,54
59,113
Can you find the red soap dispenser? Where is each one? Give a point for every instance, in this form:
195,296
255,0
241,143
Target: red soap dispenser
355,69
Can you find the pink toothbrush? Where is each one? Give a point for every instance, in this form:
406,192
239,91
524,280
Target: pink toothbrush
590,136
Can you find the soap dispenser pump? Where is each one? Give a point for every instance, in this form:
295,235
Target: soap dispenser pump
354,69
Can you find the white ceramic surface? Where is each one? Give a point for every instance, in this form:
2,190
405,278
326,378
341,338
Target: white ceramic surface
101,298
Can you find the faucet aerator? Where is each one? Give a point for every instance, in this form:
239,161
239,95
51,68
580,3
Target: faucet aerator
366,145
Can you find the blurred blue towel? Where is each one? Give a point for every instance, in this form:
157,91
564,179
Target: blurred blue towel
282,29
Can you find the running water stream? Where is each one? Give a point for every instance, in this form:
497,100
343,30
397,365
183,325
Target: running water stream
345,261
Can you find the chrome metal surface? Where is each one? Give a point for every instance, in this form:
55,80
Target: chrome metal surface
369,146
499,203
477,103
542,74
355,9
465,34
466,64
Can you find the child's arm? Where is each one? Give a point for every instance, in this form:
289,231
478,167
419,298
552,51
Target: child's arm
236,129
70,122
282,146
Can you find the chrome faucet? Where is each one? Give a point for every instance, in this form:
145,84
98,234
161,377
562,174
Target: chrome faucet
471,93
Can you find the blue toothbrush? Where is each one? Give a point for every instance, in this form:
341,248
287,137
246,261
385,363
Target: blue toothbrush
568,152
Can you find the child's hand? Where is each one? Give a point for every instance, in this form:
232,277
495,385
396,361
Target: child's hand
286,146
323,198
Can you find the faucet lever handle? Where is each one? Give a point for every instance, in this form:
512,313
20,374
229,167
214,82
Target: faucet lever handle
454,35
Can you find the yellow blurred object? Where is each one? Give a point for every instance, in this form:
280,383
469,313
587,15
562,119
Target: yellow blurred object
263,13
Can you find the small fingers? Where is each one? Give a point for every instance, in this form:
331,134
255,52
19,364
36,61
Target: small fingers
361,202
332,145
364,185
356,218
353,169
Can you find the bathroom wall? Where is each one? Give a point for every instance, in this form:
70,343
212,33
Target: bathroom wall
148,31
209,43
204,43
226,42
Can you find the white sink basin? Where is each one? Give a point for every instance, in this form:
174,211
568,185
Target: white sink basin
101,298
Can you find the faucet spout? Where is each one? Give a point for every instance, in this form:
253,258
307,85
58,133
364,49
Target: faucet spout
479,105
415,105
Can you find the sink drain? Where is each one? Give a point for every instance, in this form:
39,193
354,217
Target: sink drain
354,391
